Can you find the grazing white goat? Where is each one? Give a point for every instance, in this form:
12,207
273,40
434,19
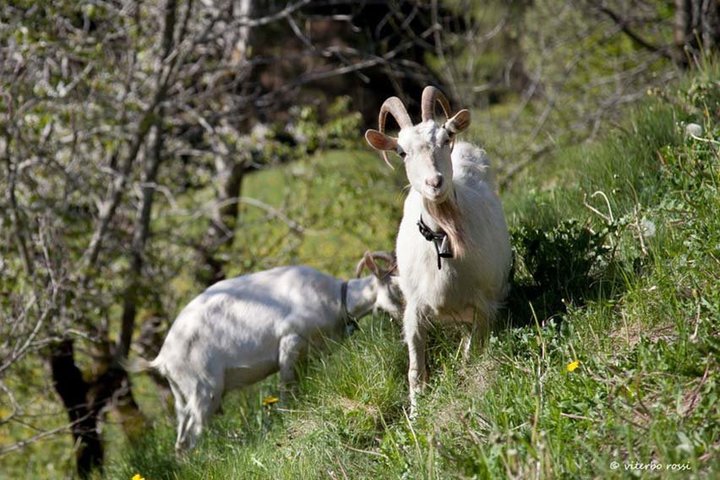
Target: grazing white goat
240,331
453,245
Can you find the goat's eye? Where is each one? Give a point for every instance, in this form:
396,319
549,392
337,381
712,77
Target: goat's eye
401,152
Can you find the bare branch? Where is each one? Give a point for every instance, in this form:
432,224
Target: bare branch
624,25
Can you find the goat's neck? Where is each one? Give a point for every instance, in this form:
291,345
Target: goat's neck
361,296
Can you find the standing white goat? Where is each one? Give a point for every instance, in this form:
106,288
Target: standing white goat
240,331
453,246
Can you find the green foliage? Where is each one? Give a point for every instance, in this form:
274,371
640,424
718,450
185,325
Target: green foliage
702,96
306,131
337,131
562,263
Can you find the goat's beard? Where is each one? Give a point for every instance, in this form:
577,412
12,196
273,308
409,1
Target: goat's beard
447,215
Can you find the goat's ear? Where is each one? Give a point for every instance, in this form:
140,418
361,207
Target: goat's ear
380,141
458,123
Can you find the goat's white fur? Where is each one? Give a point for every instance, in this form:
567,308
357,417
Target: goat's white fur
470,287
241,330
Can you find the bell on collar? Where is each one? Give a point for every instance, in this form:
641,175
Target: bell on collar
444,249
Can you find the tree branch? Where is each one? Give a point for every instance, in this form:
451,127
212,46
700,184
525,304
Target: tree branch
624,26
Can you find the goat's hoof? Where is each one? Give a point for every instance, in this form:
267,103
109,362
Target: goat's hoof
181,451
412,412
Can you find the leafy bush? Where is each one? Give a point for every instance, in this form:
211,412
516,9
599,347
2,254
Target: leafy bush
556,266
703,95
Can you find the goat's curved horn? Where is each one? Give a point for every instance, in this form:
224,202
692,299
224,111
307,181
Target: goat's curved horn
361,265
429,96
368,260
394,107
387,256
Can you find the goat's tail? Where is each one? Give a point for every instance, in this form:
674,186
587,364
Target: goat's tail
138,365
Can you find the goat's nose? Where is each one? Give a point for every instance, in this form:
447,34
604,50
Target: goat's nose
435,181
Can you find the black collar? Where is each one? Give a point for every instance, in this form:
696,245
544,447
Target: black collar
440,241
351,323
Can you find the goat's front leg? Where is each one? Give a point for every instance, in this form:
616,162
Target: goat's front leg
415,337
291,349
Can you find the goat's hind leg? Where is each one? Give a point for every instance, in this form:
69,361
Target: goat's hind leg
184,420
182,415
292,348
474,341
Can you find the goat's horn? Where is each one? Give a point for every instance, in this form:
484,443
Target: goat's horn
361,265
429,96
387,256
394,107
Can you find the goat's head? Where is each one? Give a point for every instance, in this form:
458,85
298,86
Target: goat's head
425,147
389,296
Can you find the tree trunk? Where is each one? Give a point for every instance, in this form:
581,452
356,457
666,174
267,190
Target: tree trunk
710,25
696,29
241,49
141,233
131,418
230,170
73,390
220,234
84,402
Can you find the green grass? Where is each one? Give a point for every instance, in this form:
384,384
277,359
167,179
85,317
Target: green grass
346,201
641,314
623,281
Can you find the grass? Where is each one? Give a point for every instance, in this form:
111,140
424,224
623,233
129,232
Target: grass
639,310
622,281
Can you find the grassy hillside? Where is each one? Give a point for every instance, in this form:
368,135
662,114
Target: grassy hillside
610,346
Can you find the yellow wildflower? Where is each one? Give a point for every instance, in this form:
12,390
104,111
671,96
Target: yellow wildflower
269,400
137,476
573,365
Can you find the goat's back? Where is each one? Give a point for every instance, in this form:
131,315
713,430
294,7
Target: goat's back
471,166
241,320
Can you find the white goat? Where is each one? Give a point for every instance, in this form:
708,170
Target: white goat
240,331
453,246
